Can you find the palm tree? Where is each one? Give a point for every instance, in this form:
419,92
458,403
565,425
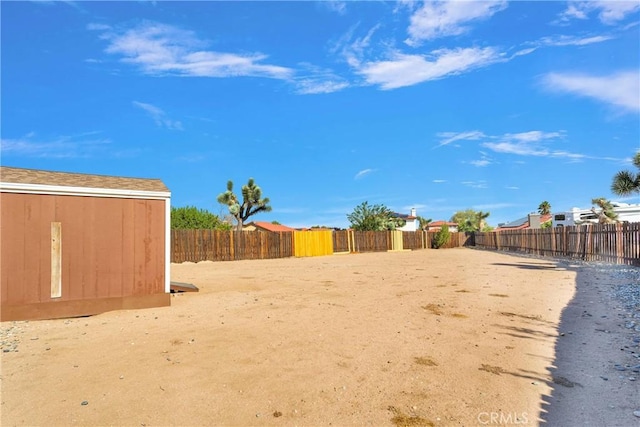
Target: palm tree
626,182
544,208
424,222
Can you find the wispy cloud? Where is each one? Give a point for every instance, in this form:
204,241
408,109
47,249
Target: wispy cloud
339,7
159,116
564,40
439,181
363,173
406,70
609,12
534,136
484,160
315,80
65,146
531,143
621,89
159,49
482,184
313,86
512,188
449,137
440,19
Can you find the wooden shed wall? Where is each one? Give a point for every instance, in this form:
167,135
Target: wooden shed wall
113,254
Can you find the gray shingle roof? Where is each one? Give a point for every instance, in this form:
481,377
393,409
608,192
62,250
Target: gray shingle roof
67,179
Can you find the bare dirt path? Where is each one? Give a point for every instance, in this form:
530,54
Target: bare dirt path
449,337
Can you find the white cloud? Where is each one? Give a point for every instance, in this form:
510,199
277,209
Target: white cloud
441,19
407,70
609,12
312,87
512,188
530,143
621,89
475,184
354,50
534,136
160,49
439,181
340,7
363,173
450,137
159,116
66,146
572,40
480,163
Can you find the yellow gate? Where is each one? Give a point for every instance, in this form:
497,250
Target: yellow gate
312,243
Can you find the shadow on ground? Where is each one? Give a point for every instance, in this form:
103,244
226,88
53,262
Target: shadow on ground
588,382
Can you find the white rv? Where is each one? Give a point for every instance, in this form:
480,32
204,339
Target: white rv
576,216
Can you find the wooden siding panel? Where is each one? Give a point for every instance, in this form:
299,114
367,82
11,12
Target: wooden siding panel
128,250
37,250
156,232
12,247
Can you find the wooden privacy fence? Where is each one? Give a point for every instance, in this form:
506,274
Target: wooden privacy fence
424,240
613,243
213,245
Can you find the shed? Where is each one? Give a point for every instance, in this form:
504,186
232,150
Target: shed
74,244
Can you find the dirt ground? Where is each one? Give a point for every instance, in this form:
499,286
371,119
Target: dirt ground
431,337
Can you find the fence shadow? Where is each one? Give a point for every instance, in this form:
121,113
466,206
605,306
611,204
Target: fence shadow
585,389
528,266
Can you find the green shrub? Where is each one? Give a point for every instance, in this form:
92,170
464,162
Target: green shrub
194,218
442,237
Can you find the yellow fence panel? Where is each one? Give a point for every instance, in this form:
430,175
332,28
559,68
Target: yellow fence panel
312,243
396,240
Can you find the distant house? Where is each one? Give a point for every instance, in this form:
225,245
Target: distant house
411,221
531,221
266,226
437,225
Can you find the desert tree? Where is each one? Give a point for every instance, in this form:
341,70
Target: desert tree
626,182
252,202
366,217
470,220
606,215
190,217
544,208
424,222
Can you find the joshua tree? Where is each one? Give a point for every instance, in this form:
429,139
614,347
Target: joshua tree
252,202
606,214
544,208
626,182
481,219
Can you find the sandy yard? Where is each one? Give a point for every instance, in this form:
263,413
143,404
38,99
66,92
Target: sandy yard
448,337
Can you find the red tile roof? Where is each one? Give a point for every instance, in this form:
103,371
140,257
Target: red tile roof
267,226
441,223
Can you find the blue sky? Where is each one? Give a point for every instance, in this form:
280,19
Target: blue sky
494,106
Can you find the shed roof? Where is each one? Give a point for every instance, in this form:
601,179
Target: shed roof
67,179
